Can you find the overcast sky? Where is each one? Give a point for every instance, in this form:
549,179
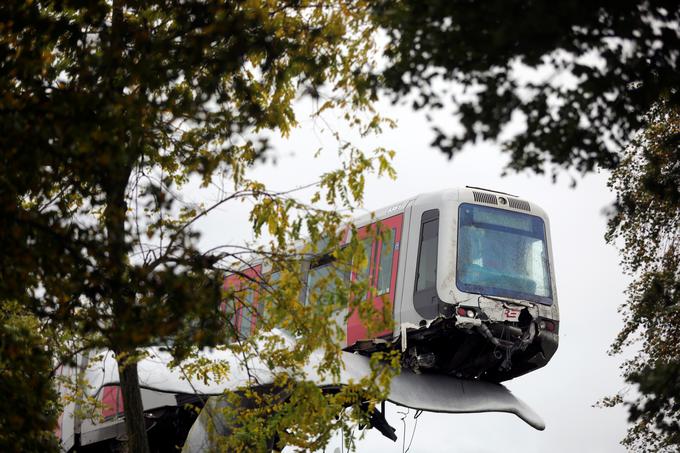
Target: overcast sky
590,285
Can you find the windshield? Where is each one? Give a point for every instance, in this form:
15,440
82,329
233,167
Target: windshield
502,253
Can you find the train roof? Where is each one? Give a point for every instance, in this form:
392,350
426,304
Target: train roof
467,193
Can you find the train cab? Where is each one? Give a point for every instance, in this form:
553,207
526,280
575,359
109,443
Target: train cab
478,296
469,276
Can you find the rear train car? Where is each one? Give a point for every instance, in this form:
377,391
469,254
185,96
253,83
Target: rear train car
469,273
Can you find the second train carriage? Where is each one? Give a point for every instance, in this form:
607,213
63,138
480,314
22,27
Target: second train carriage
470,276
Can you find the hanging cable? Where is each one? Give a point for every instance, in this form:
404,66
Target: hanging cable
415,425
403,421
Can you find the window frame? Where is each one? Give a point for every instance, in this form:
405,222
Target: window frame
379,271
503,292
426,301
318,263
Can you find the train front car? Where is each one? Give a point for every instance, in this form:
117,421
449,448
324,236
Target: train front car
484,301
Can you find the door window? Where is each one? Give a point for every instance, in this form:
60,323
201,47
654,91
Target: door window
384,279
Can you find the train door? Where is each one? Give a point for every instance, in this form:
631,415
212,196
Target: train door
381,272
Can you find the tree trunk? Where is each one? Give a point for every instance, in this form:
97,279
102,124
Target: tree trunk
134,410
122,301
115,214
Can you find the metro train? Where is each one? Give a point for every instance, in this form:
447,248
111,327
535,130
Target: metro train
470,277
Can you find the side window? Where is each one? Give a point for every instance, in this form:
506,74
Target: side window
230,306
425,297
246,314
314,276
386,258
230,316
323,270
363,273
262,311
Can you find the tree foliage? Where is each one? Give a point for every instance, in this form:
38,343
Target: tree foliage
566,85
646,224
574,79
29,407
110,107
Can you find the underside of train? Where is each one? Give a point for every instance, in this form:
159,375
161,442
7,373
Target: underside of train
473,347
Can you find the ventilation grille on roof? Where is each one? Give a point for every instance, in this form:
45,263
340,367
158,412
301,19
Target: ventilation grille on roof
519,204
484,197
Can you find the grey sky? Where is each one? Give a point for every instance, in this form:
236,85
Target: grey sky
589,281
